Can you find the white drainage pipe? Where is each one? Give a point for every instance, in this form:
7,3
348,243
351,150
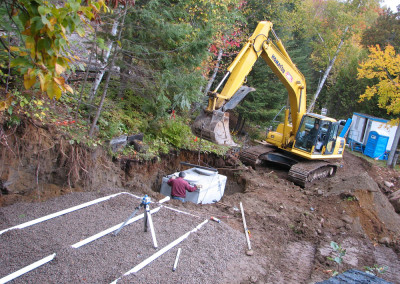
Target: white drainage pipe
160,252
63,212
165,199
27,269
179,211
112,229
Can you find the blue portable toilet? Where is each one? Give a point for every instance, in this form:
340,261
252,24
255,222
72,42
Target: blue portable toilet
376,144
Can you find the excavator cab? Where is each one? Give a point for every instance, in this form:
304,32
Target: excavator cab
317,135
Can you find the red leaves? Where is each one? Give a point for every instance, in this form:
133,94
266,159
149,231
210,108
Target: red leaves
65,122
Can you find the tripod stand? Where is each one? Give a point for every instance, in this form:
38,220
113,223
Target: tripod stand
147,219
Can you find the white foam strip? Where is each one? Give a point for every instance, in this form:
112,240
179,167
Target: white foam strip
112,229
179,211
161,252
63,212
27,269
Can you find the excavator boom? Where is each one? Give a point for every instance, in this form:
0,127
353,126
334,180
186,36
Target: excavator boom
213,123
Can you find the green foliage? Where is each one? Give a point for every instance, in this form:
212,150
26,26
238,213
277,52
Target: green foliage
376,269
165,46
175,132
350,198
338,254
28,105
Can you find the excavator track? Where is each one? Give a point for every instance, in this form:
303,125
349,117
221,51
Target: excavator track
251,156
307,172
302,172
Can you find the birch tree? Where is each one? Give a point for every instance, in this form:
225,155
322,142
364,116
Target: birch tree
330,25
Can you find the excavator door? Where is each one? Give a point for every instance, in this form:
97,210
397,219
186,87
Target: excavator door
331,138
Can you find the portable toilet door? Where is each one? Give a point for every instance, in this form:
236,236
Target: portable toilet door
376,145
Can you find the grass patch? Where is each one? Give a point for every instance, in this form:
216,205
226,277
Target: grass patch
379,163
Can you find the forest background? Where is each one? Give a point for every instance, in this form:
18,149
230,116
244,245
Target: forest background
100,69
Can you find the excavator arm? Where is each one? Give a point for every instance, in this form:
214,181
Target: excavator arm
213,123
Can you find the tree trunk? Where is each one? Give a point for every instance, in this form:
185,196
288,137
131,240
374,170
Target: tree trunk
86,73
96,118
212,79
391,163
328,69
100,75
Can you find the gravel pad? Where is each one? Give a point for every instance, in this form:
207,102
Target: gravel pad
205,253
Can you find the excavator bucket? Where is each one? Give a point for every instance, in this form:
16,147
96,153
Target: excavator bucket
213,127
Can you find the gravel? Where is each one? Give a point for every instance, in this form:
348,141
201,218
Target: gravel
205,256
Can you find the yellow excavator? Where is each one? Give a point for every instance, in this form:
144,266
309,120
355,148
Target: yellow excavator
303,144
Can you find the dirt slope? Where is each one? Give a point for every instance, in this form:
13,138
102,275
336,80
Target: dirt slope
292,228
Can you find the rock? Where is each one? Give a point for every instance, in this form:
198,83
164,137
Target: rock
253,279
320,192
347,219
132,138
394,199
388,184
232,161
137,145
118,143
249,252
385,189
3,189
385,241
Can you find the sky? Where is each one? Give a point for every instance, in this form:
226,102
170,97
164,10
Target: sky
392,4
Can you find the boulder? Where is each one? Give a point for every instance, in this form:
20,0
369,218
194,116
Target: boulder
394,199
118,143
388,184
132,138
